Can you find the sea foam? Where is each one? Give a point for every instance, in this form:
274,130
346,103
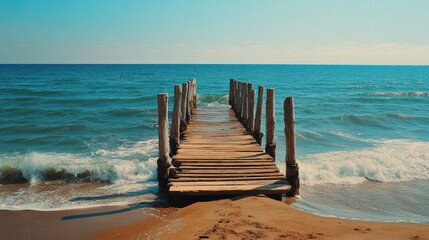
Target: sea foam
130,162
388,161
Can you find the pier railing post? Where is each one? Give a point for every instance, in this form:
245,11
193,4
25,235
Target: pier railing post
188,102
231,82
245,104
248,92
239,101
175,123
235,95
257,134
292,169
195,93
250,120
270,147
183,122
164,158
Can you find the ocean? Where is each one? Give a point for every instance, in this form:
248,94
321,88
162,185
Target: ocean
76,136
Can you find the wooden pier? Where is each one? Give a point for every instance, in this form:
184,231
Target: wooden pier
217,151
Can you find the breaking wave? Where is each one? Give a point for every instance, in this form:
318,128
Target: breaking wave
213,100
125,163
388,161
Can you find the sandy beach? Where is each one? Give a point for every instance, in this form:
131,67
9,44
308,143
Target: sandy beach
258,217
69,224
253,217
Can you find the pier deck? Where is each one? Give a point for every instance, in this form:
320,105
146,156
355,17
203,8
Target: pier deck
217,157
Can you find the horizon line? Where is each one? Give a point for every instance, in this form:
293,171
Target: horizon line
309,64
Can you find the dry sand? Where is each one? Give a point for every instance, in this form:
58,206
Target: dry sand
258,218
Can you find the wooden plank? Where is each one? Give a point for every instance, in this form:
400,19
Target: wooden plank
218,183
244,153
229,171
228,175
221,164
223,146
217,151
220,168
218,158
240,143
232,189
225,180
214,161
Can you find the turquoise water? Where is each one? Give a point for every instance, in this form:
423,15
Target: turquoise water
356,126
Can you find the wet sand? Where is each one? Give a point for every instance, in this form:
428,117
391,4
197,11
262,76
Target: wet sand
258,218
69,224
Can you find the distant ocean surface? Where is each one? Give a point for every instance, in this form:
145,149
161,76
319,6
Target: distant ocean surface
75,136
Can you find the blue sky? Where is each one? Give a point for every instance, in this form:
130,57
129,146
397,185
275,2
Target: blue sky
215,31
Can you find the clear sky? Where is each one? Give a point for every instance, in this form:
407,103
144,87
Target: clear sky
215,31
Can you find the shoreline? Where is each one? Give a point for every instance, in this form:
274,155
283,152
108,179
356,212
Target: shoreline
231,218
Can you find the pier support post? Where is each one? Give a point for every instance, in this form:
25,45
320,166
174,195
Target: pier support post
250,120
183,122
188,101
164,158
245,104
231,83
175,123
292,169
257,134
239,101
194,95
235,95
270,147
249,108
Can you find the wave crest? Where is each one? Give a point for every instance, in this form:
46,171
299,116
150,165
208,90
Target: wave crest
389,161
126,163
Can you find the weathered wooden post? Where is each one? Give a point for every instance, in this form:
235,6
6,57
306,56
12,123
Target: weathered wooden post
164,158
270,147
195,93
193,97
249,108
183,122
232,94
235,95
292,169
175,123
245,104
188,102
250,120
239,101
257,134
231,82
